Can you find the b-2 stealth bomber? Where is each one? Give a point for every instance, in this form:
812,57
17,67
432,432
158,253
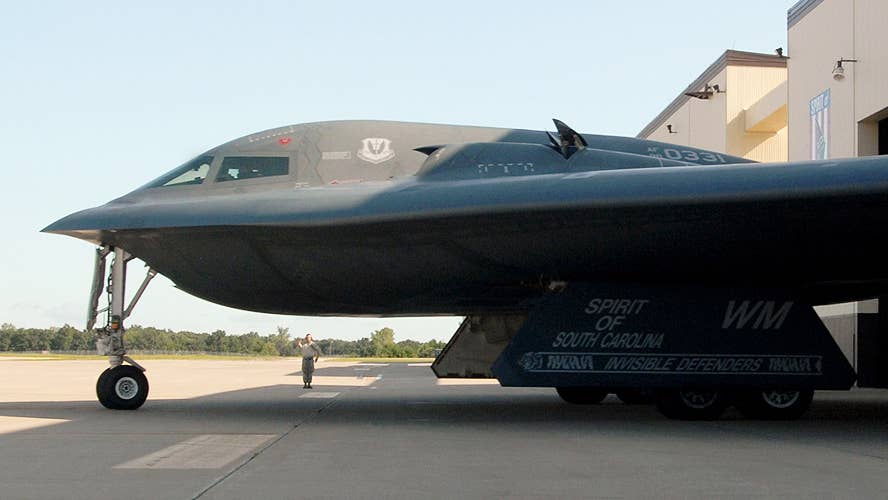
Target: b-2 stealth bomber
588,263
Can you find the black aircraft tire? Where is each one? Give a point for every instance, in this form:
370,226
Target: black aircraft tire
692,404
635,396
774,404
582,395
101,390
122,388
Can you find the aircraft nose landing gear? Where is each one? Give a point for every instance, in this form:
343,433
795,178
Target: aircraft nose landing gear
120,387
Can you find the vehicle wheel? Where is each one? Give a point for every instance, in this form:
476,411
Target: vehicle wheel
582,395
122,388
692,404
774,404
635,396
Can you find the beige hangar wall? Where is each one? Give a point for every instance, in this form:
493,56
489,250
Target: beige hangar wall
832,30
698,123
748,86
747,117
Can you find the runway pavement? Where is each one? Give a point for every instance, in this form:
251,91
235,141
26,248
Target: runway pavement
247,429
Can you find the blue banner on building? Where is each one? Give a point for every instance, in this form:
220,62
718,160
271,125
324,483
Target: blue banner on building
819,109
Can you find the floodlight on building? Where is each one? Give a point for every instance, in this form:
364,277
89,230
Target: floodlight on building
669,129
839,70
706,93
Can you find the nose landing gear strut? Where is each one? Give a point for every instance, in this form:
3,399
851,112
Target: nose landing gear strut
121,386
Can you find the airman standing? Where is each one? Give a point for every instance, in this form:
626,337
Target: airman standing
310,355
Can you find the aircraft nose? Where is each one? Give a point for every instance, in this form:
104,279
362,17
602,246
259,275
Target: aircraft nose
86,224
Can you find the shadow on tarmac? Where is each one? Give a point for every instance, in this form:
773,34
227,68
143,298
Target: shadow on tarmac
457,405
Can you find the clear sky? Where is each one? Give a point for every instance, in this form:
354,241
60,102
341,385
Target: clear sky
97,98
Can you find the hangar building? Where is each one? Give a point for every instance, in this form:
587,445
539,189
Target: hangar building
825,97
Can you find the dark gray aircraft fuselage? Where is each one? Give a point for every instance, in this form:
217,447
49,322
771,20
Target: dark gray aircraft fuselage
348,218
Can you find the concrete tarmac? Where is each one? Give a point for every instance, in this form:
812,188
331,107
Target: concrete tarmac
247,429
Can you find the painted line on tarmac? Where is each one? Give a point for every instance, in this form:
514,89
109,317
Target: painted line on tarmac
243,463
319,395
419,364
373,364
358,380
207,451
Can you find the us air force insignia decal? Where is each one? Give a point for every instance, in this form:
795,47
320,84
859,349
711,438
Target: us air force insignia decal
376,150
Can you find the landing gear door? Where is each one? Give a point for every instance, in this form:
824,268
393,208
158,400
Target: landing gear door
654,336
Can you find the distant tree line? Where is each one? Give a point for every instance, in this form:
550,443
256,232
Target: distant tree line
380,343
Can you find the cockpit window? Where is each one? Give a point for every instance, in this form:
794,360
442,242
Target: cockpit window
235,168
191,173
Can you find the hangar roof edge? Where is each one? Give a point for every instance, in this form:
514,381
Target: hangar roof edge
728,58
800,10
